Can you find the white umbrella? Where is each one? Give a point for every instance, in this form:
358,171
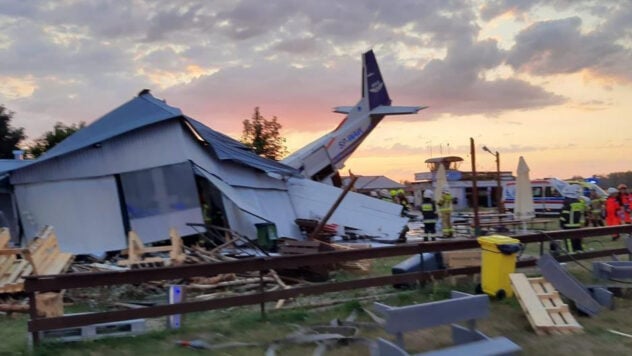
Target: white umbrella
524,195
441,181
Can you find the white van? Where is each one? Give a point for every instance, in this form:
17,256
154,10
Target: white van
547,194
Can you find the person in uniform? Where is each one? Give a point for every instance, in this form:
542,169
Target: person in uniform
596,210
445,210
572,213
429,213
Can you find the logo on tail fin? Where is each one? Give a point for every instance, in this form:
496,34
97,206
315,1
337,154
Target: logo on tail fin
376,86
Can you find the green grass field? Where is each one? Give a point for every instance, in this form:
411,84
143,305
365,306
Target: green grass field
246,325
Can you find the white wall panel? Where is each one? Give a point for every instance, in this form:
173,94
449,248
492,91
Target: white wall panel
85,213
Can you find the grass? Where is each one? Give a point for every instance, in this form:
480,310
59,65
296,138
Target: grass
245,324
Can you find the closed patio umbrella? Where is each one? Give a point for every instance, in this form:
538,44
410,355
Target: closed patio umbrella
524,195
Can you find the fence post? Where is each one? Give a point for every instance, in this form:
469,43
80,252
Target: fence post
33,314
261,290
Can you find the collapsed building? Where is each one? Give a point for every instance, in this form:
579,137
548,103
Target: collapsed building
147,167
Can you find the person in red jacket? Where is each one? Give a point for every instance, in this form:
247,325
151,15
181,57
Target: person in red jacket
625,201
613,210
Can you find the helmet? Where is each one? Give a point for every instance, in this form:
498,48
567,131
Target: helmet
612,191
385,193
445,190
428,193
622,186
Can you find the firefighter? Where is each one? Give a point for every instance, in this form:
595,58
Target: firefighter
429,212
386,196
625,201
572,212
614,211
445,210
596,210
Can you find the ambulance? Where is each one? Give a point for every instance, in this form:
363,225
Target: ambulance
547,194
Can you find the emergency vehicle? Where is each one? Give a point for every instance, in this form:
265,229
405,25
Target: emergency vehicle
547,194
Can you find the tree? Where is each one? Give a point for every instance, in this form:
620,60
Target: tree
51,138
264,137
9,137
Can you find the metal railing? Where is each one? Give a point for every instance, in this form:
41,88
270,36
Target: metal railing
39,284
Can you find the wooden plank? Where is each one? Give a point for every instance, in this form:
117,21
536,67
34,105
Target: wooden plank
5,237
49,304
6,262
145,262
296,250
60,264
458,259
18,270
12,287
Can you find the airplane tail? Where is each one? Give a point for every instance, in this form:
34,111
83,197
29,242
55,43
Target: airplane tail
373,87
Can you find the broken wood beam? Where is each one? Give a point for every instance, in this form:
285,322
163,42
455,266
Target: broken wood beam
333,208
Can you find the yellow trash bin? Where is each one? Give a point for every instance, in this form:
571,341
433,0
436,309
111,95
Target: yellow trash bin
498,260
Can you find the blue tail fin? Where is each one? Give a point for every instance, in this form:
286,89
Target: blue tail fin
373,87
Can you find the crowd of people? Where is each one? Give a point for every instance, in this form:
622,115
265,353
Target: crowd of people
580,210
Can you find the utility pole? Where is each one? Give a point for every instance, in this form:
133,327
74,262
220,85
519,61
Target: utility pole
499,187
477,222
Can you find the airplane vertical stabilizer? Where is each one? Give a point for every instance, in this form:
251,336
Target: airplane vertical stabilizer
321,159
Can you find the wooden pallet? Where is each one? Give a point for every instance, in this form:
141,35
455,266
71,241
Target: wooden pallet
136,251
542,304
42,257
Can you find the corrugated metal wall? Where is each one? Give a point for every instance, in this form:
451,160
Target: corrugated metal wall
156,145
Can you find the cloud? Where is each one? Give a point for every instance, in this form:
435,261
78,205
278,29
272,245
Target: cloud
296,60
456,85
560,47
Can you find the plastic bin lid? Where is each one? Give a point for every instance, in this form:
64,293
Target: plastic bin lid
497,240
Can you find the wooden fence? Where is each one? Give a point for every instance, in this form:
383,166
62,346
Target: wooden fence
41,284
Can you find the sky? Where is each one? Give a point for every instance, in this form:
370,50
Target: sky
547,80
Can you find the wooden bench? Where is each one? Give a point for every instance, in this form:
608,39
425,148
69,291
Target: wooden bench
462,307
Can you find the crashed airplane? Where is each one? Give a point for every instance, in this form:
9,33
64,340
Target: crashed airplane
148,167
321,159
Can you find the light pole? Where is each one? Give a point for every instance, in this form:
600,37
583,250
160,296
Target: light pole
499,188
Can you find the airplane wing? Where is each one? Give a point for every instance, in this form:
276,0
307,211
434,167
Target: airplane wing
395,110
343,109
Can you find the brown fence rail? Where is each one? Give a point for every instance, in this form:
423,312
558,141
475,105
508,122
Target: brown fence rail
39,284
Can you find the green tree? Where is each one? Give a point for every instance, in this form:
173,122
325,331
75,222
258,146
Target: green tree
51,138
263,136
9,137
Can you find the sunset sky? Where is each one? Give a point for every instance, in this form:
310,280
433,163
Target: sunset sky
547,80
